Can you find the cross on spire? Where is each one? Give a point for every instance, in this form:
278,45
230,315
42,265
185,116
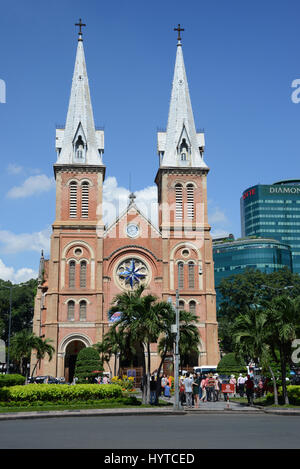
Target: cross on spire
80,24
179,29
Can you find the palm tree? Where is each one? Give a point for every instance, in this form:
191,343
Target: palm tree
22,344
284,323
189,338
143,318
251,335
42,348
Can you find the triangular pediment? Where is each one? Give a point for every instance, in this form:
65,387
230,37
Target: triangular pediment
131,215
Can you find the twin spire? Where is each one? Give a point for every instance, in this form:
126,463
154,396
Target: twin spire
80,143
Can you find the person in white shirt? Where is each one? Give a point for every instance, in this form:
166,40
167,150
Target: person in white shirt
188,382
241,385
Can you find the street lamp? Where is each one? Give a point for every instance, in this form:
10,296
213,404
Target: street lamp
175,329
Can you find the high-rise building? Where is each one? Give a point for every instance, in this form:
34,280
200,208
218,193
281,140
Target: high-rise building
273,211
91,263
234,257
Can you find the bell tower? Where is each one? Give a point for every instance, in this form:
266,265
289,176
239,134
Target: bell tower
183,222
74,302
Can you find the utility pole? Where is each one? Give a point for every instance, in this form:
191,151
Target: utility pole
176,377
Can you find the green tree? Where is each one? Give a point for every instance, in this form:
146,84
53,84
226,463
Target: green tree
42,347
142,320
22,306
88,361
251,336
22,343
283,315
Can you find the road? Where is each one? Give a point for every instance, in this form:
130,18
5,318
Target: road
157,432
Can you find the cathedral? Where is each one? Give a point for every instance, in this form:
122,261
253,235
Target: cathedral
91,262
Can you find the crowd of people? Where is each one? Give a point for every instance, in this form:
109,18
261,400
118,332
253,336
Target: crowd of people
195,388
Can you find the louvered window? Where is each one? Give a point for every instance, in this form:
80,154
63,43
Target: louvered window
85,200
72,274
180,275
192,307
73,199
178,195
190,201
82,311
71,310
83,274
191,275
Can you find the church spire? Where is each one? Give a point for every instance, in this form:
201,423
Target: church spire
181,145
79,142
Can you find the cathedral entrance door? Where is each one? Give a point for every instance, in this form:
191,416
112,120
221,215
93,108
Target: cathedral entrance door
70,359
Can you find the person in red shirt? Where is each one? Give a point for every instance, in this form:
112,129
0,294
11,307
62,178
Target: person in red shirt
249,385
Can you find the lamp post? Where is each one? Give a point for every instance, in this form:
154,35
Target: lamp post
175,329
9,325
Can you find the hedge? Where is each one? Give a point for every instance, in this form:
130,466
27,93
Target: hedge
61,393
293,394
11,380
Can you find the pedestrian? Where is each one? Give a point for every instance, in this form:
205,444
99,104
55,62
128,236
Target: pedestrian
203,388
211,388
163,383
233,381
196,389
181,392
188,381
153,384
241,385
167,391
249,385
217,387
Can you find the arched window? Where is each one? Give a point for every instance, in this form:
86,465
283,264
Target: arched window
71,310
72,266
181,305
83,274
178,204
191,267
73,199
82,310
79,148
85,200
180,275
190,201
192,307
183,150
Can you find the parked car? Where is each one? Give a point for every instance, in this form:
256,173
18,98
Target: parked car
45,380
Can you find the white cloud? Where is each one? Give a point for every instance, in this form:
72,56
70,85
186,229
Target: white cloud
16,276
11,243
14,169
31,186
116,200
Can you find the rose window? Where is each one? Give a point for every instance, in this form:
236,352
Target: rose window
132,273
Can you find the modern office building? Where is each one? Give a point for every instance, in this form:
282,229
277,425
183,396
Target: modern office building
234,257
273,211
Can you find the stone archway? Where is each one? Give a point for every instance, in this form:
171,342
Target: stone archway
72,350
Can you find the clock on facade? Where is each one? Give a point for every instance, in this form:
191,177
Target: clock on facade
132,230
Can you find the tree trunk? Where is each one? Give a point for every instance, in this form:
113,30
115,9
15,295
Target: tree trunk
283,374
274,386
148,372
158,381
144,378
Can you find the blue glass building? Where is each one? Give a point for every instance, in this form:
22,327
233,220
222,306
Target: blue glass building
234,257
274,211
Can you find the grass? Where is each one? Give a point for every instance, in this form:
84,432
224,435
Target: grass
103,404
263,402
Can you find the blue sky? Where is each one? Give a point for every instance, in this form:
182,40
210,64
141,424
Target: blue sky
241,59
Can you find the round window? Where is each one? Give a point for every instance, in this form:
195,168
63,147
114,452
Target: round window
77,251
132,273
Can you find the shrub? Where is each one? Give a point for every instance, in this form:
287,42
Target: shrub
61,393
293,394
88,360
11,380
230,364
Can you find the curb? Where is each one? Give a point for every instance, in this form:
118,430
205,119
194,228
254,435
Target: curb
84,413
